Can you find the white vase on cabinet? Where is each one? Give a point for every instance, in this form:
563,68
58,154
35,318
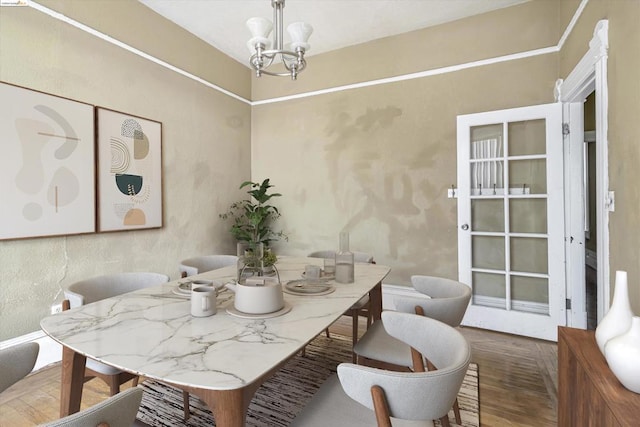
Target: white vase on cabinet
618,319
623,356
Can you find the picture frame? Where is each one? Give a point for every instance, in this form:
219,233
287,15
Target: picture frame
129,171
47,166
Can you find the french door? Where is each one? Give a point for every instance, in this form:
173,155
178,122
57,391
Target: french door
511,219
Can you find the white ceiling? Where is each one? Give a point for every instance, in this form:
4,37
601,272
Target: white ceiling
336,23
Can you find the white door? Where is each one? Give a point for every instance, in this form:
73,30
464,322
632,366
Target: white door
511,219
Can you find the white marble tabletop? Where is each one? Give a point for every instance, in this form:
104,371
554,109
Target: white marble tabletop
151,332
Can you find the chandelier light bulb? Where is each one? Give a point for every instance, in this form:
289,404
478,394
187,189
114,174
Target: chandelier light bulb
300,33
259,27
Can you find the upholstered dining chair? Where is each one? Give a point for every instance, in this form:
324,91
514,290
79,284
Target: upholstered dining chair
99,288
117,411
360,308
448,301
200,264
366,396
16,362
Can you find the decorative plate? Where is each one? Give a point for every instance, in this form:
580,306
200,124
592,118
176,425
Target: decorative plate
308,287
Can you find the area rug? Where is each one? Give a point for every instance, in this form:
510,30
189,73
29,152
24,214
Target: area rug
280,398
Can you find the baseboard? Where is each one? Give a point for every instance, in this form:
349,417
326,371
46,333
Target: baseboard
51,351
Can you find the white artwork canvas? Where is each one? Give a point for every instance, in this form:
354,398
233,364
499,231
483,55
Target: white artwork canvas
47,164
129,172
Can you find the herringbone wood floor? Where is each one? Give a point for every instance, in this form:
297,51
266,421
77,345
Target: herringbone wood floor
518,384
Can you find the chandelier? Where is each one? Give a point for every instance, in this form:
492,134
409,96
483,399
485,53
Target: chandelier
264,51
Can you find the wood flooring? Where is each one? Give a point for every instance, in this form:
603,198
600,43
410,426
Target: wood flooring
518,383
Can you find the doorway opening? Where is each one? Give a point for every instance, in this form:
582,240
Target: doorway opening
590,229
588,80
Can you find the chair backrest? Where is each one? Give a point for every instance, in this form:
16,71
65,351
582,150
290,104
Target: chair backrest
414,395
117,411
101,287
448,300
201,264
16,362
357,256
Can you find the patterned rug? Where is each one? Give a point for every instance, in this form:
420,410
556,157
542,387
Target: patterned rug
280,398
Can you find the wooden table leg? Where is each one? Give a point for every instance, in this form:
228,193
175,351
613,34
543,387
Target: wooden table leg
72,381
375,296
229,407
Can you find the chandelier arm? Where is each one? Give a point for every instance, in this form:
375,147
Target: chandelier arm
256,58
274,52
272,73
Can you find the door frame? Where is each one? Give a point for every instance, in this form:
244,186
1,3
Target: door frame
589,75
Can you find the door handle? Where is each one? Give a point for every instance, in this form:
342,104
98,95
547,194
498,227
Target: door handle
465,227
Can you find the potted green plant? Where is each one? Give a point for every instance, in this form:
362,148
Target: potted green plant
253,219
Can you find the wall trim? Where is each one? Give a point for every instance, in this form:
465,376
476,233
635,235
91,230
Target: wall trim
109,39
411,76
572,23
417,75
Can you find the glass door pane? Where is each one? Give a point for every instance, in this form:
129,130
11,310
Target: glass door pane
487,164
487,215
527,137
508,228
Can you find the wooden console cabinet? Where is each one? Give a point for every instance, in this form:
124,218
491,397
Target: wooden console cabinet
588,392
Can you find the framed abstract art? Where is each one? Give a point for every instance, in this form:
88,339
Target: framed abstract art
129,171
47,165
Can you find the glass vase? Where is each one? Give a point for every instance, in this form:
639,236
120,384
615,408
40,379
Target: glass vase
250,258
344,261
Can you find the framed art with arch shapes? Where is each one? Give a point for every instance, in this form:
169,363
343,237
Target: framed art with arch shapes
47,165
129,171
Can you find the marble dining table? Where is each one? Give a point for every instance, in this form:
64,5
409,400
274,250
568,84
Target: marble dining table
222,359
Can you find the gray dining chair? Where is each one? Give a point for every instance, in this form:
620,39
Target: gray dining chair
448,301
16,362
117,411
362,308
367,396
107,286
201,264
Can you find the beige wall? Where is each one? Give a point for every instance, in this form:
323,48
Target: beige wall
624,126
206,145
378,161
